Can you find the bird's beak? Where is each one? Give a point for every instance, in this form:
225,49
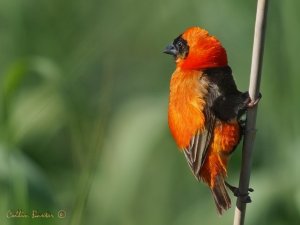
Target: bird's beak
171,50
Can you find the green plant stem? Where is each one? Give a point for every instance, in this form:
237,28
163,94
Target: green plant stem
250,131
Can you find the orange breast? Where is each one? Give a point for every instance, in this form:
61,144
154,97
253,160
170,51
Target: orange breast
186,104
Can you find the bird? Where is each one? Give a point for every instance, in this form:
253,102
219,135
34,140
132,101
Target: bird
205,109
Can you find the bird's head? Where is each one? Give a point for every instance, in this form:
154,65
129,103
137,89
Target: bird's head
196,49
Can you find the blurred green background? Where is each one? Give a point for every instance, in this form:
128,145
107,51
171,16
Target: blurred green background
83,111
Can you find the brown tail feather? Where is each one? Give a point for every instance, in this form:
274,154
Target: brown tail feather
220,195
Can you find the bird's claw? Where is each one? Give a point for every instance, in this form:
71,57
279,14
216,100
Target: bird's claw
253,103
236,192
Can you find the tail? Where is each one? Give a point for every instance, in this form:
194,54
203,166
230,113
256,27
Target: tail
220,195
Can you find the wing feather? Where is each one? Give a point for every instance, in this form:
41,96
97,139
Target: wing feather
197,150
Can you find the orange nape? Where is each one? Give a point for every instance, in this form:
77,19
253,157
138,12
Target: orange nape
205,50
226,137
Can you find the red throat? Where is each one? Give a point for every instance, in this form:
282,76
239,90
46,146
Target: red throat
205,51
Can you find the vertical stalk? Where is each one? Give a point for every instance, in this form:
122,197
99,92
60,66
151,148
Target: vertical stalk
255,77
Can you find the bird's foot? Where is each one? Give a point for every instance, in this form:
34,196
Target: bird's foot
251,104
237,193
247,104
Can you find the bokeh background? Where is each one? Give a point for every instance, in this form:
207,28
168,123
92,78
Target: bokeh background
83,111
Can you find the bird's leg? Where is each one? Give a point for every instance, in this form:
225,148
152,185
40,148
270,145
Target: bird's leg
246,104
236,191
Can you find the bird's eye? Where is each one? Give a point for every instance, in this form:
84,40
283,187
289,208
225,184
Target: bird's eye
179,44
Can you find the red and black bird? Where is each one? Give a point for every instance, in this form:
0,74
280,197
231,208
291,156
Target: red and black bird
204,109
